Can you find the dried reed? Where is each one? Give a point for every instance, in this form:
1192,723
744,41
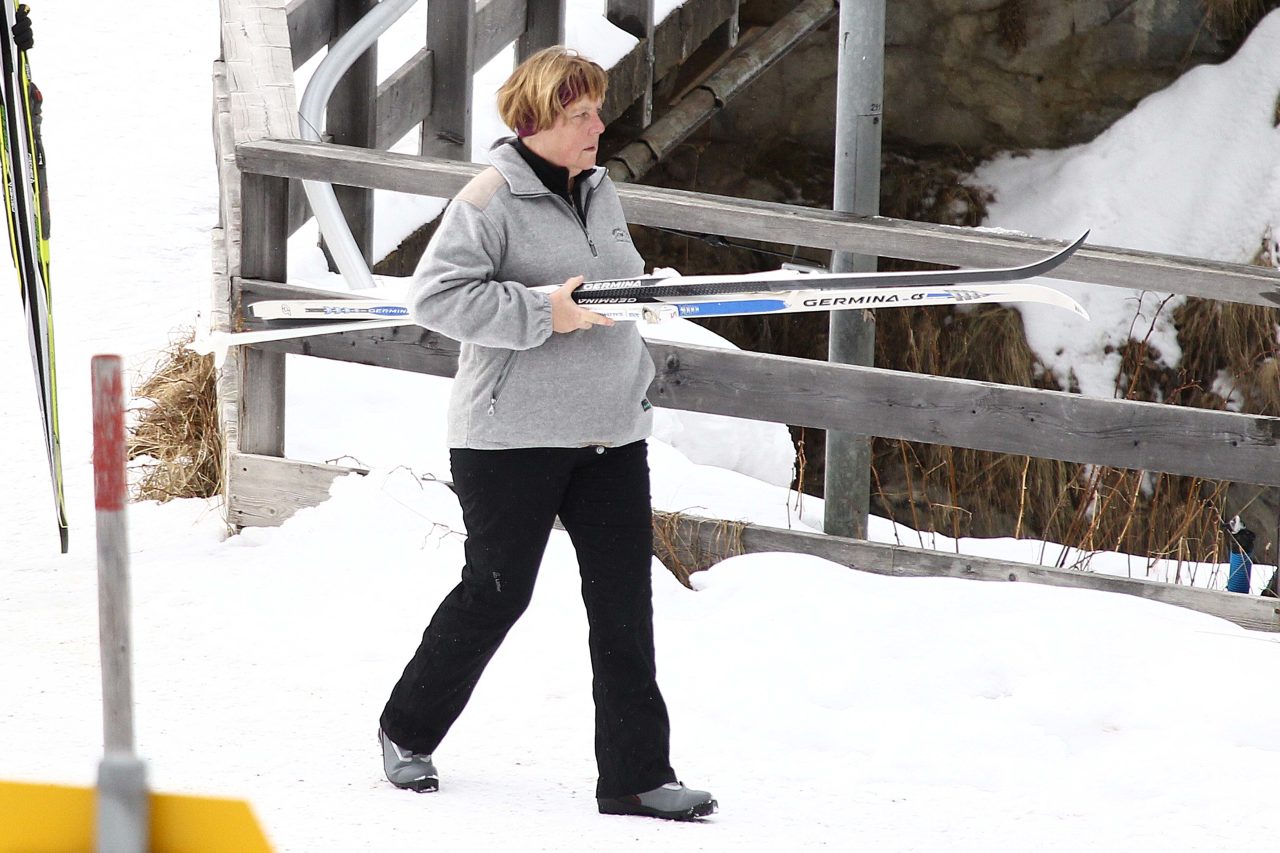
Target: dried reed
176,430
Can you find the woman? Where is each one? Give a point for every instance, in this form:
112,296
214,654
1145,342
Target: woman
547,418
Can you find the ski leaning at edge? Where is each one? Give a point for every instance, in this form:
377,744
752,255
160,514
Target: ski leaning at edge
26,203
655,299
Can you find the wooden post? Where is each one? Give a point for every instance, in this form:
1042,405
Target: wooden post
264,211
544,27
636,17
451,38
350,121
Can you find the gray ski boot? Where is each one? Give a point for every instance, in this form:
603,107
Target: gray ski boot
672,801
412,771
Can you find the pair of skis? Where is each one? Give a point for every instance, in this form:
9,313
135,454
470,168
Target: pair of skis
26,202
655,299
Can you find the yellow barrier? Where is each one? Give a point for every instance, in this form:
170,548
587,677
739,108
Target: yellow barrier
60,819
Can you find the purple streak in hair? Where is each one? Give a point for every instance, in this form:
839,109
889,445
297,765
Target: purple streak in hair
570,90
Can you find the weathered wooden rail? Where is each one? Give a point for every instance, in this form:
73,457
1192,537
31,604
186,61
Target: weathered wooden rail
264,488
793,225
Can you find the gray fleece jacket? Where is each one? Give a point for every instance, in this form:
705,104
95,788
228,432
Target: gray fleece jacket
518,384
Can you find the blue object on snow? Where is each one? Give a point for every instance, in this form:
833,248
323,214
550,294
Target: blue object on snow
1241,566
1240,540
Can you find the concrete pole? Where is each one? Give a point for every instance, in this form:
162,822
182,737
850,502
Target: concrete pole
123,806
859,97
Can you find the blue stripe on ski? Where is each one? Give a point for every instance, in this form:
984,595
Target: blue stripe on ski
711,309
377,310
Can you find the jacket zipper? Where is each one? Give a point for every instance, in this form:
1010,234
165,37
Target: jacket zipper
581,220
502,380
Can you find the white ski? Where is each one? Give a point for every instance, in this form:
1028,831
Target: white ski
655,309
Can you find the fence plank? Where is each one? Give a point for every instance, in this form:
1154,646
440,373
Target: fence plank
684,30
790,224
965,413
226,256
254,98
446,132
636,17
350,120
310,27
264,210
498,24
259,69
265,491
544,27
888,403
404,99
701,543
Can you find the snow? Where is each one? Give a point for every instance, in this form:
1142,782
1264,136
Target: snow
826,708
1193,170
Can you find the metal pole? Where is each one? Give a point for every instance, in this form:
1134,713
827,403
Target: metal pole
123,809
859,96
324,204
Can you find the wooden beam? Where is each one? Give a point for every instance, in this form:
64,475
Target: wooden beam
636,18
266,490
872,401
404,99
683,31
666,44
446,132
701,543
544,27
270,490
253,98
264,206
226,256
498,24
259,69
310,27
964,413
350,120
628,81
782,223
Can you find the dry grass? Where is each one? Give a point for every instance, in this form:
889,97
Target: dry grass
176,430
677,543
1231,20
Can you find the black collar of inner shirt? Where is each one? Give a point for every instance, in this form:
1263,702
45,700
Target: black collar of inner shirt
553,177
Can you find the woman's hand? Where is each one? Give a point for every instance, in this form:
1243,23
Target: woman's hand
567,315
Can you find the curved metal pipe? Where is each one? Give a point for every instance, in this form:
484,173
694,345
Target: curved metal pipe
324,204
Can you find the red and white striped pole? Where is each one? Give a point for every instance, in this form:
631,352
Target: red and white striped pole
123,803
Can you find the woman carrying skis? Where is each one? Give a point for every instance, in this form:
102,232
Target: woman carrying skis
547,418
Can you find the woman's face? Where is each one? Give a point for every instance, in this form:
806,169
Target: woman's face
573,140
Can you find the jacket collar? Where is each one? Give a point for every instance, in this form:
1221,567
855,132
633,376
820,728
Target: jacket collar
521,178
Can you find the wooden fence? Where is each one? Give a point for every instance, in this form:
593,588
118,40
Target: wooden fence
264,488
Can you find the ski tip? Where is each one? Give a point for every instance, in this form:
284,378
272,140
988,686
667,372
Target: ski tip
1054,261
1062,254
64,535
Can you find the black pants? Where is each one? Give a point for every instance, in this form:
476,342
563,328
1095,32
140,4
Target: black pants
510,499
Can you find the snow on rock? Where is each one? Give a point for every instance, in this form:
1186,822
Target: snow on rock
1193,170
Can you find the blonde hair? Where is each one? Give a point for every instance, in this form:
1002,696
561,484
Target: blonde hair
537,92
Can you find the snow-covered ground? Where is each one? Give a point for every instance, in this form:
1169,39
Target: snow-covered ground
824,707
